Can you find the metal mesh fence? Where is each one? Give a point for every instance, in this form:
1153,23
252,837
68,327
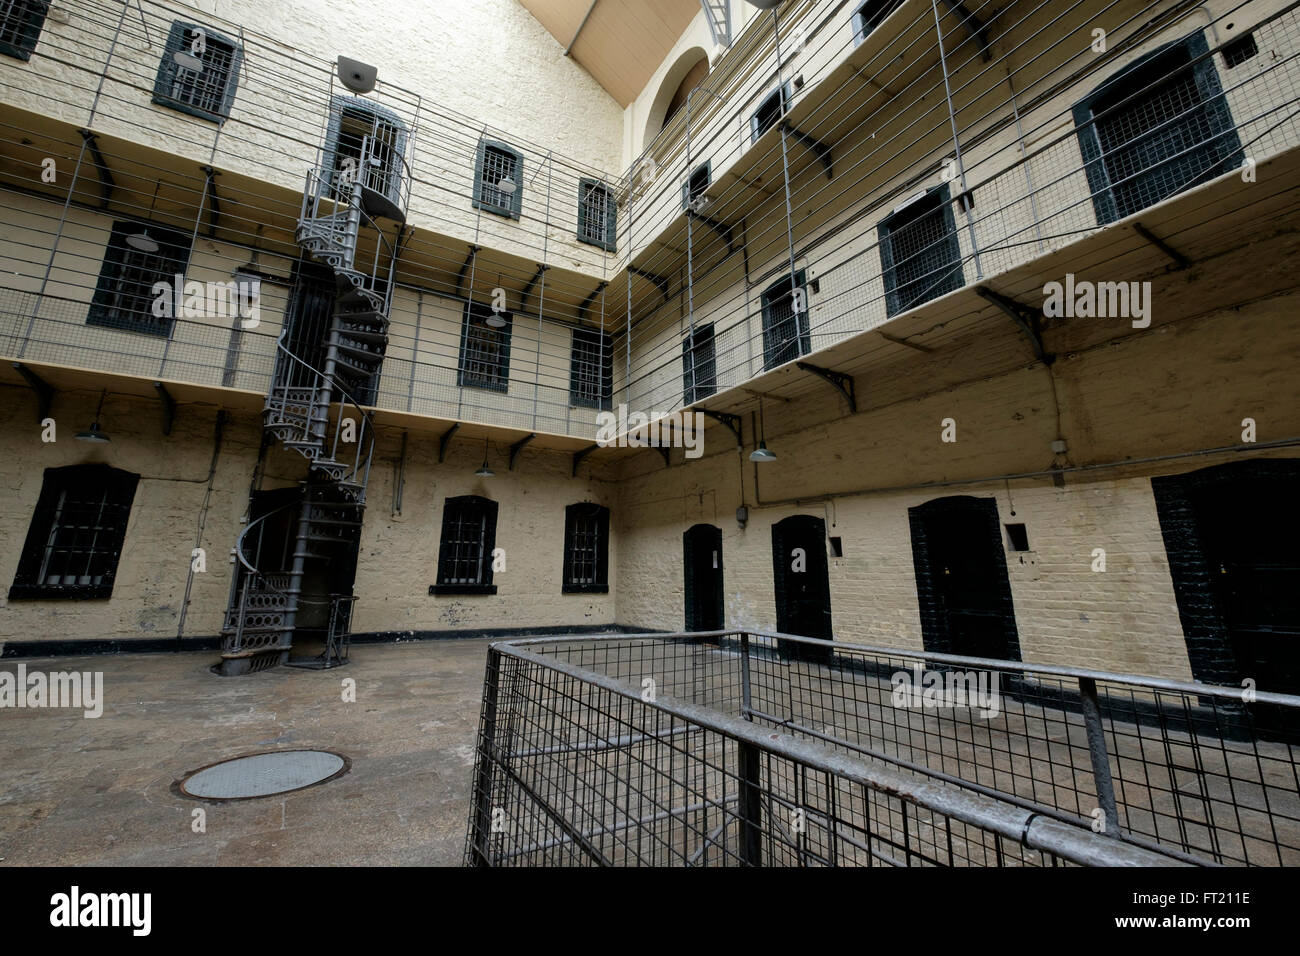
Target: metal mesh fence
748,749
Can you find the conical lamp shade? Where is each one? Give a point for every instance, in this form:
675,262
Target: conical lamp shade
94,435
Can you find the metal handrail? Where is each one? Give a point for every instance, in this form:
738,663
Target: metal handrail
1031,829
1112,708
239,542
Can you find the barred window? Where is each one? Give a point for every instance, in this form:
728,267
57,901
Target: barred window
20,26
699,364
137,257
920,256
591,370
871,15
1157,128
356,124
1240,50
75,538
586,549
469,534
199,72
597,214
499,179
785,321
696,183
484,350
769,111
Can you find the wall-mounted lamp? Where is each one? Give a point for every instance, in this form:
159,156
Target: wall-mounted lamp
94,434
761,453
485,471
188,61
142,241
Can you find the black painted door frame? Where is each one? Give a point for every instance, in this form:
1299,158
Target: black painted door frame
966,608
1233,594
702,571
801,577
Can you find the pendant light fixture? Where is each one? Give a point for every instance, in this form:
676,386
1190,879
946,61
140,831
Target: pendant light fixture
142,241
188,61
94,434
485,471
761,454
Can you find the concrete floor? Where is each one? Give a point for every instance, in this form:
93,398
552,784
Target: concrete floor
79,791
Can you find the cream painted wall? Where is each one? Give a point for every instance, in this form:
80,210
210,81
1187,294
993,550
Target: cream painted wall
1182,387
398,557
1027,203
456,72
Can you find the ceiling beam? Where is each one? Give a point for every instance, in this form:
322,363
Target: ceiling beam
568,50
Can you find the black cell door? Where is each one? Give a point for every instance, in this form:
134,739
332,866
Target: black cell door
803,590
1232,534
702,547
961,579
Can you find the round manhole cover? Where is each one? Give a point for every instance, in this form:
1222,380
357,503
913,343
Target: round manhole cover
262,775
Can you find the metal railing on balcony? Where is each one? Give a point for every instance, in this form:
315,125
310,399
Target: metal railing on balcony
947,147
742,747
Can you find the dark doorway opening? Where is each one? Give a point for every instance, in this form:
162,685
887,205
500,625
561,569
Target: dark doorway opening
307,320
273,519
702,547
1232,536
961,579
803,589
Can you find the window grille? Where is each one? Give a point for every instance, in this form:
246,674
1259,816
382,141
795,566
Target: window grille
919,251
785,327
1157,128
356,124
597,214
499,168
586,549
469,527
591,370
124,297
76,535
699,365
485,351
199,72
21,22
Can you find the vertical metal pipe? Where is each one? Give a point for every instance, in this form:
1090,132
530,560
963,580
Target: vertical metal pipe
415,350
72,186
690,254
1098,754
1024,158
956,144
785,171
541,292
482,832
750,772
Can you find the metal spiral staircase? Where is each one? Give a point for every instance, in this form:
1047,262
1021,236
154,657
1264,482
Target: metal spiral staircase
317,413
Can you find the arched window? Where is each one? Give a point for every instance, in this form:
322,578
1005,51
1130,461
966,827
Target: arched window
75,538
469,536
690,70
586,549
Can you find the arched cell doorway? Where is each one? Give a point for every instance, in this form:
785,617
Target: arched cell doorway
802,580
961,579
702,546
